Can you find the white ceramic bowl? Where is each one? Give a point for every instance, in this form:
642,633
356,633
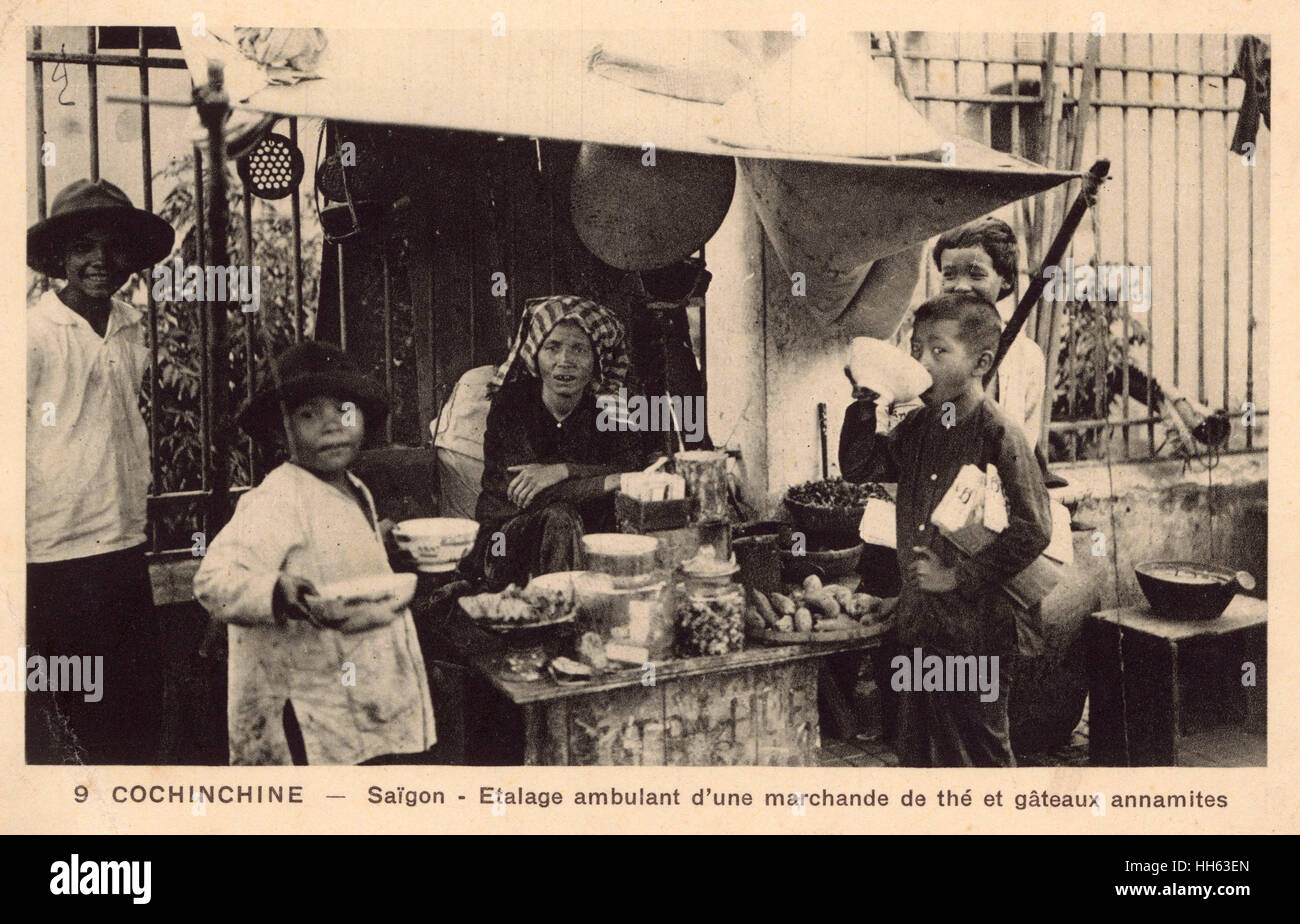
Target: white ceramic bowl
373,600
436,540
886,369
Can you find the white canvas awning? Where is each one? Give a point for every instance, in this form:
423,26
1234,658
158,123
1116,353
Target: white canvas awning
844,170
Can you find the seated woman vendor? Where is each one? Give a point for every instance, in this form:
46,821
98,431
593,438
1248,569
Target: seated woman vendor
549,469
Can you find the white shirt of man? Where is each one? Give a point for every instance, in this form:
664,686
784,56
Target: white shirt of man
87,446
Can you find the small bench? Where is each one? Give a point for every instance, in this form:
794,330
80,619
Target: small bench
1155,683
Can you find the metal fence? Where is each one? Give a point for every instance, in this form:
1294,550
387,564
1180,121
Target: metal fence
1162,109
146,59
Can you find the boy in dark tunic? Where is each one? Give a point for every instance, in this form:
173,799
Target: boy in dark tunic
951,604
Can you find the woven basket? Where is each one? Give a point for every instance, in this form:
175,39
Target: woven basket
829,565
826,521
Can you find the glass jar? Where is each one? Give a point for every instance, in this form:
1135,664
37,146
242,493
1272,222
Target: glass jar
709,613
632,615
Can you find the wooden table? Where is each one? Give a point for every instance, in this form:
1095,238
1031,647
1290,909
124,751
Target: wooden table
756,707
1152,681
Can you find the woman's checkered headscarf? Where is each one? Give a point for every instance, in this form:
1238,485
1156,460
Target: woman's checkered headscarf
540,316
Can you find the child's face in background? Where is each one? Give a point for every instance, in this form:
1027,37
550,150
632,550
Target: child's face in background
94,263
327,434
952,365
970,269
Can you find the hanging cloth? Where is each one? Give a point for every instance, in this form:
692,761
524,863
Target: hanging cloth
1254,63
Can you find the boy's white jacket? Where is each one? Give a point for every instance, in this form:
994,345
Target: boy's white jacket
355,696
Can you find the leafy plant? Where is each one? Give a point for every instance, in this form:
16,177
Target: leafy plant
1089,372
177,404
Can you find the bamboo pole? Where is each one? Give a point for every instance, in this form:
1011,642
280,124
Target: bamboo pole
1047,94
1082,121
900,76
1087,197
211,102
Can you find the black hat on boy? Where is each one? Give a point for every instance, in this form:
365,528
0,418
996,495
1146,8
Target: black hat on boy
305,370
146,238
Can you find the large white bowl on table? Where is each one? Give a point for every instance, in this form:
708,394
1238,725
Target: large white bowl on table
363,603
436,543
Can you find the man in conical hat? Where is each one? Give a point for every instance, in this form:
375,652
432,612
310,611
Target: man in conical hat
91,626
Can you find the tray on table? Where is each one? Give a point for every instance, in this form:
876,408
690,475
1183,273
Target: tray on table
774,637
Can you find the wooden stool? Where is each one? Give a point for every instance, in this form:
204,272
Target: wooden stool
1153,681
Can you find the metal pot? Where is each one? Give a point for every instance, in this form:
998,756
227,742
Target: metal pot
1189,590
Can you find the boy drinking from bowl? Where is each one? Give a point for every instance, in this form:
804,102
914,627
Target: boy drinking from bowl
308,683
950,605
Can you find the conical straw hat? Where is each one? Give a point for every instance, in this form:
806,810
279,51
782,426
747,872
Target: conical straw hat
635,215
